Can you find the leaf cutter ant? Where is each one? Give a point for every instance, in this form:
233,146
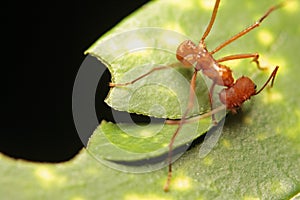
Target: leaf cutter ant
233,95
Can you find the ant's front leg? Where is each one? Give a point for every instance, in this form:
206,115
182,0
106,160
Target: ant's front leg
138,78
255,57
143,76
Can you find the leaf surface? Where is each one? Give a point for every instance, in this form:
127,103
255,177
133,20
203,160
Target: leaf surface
258,153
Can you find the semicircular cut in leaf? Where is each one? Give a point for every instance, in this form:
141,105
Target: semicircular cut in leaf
131,54
258,154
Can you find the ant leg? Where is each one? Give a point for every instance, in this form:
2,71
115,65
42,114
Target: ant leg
180,124
138,78
271,78
255,57
198,118
211,22
210,95
211,92
250,28
142,76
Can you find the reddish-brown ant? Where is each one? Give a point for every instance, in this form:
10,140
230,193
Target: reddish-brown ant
235,93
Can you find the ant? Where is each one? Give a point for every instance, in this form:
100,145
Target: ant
233,95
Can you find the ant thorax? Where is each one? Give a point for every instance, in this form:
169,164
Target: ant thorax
188,53
220,74
205,61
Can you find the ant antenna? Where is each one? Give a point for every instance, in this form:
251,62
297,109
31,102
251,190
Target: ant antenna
271,78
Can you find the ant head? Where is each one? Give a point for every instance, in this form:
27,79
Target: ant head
234,96
246,86
186,53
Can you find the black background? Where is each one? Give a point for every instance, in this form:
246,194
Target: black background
42,49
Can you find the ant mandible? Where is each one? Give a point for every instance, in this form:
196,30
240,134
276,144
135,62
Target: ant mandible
235,93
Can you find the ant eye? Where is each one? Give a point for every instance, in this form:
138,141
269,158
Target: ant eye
255,86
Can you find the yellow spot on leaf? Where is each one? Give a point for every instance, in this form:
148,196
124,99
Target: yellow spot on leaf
280,187
265,37
292,6
77,198
226,143
247,120
182,183
251,198
48,177
183,4
261,136
208,161
207,4
124,136
144,197
45,174
279,62
293,134
165,144
273,96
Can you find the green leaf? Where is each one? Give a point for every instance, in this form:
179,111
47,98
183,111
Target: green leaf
126,142
258,153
